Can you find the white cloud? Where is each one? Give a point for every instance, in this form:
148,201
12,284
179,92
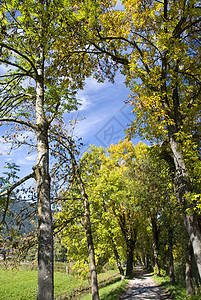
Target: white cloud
93,85
8,159
19,155
85,126
4,147
84,101
29,159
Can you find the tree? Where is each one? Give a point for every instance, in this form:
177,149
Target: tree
113,193
113,223
18,213
157,46
35,89
67,151
107,232
86,221
155,196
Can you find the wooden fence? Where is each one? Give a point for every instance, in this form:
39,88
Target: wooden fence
27,265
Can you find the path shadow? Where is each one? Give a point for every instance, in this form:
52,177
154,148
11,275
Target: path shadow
142,287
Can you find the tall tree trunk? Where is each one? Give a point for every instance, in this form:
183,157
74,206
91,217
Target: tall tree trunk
130,235
171,260
148,263
119,266
45,289
145,261
130,243
182,181
86,222
183,187
155,243
189,275
116,254
87,226
142,259
129,256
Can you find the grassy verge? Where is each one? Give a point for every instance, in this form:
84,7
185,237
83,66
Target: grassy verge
111,291
177,290
18,284
22,284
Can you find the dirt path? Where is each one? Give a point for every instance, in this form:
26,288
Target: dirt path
144,287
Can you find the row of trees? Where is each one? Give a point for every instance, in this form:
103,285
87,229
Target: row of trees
134,212
49,47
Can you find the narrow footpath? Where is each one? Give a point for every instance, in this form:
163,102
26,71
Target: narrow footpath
144,287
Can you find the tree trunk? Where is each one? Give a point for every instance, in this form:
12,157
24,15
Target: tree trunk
130,234
130,243
155,245
142,259
148,264
86,222
87,226
45,289
116,254
183,187
171,260
121,271
189,275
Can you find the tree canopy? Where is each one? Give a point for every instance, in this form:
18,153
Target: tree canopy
48,48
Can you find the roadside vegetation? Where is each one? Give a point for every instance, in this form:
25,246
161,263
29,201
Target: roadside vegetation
22,284
111,291
178,289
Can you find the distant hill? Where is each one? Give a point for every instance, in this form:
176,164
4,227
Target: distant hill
21,213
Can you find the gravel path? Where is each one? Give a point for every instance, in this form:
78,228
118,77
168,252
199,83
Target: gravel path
144,287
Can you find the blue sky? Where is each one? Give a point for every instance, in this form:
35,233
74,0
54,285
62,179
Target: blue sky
105,112
102,119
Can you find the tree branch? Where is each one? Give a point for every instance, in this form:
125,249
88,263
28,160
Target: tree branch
62,225
19,122
20,54
179,30
13,74
122,60
17,66
10,189
8,192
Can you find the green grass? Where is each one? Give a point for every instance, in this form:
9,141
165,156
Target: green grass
66,284
111,291
177,290
22,284
18,284
107,275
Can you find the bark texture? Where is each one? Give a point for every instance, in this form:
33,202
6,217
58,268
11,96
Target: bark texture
45,290
189,275
129,259
155,239
126,222
183,187
86,222
119,266
170,252
87,226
